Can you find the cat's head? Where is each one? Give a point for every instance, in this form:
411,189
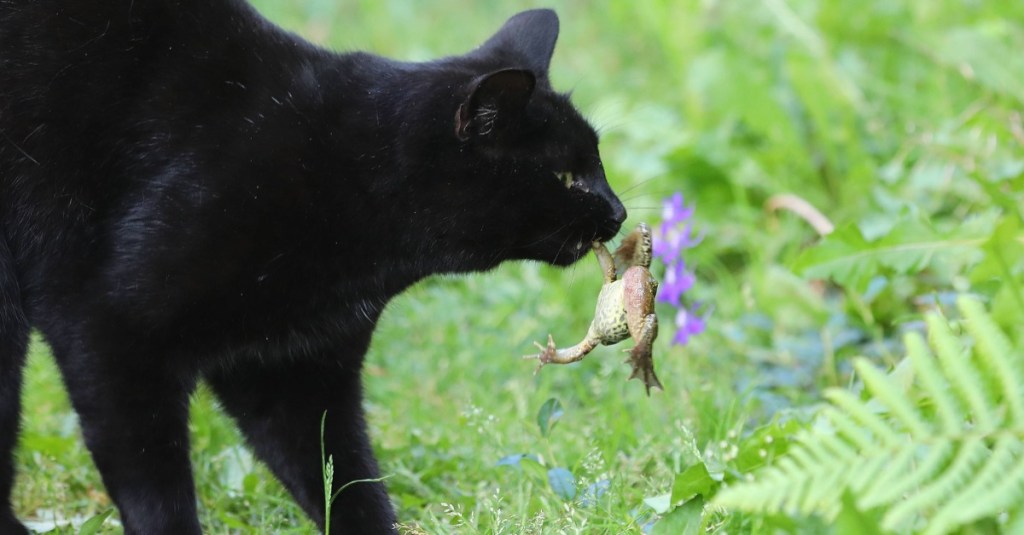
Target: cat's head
537,174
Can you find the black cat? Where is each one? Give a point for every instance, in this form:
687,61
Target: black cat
188,192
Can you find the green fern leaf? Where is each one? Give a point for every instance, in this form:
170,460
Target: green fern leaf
863,415
994,348
945,451
946,483
937,457
890,396
935,387
1005,459
965,377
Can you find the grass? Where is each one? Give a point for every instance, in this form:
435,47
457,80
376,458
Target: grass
873,112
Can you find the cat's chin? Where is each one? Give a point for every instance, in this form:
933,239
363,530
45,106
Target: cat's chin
567,250
565,254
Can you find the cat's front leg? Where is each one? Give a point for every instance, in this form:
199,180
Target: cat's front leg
134,416
279,407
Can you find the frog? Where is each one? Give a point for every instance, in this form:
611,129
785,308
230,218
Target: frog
625,309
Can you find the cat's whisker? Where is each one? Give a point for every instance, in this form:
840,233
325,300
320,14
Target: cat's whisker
646,195
638,184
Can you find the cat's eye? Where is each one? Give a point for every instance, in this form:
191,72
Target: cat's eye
566,178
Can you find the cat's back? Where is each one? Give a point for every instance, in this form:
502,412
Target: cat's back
89,60
56,55
92,89
122,122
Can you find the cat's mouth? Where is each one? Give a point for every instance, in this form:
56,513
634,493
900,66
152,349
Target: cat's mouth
574,239
578,247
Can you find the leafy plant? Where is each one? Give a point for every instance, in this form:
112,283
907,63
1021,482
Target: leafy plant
327,470
853,254
94,524
939,444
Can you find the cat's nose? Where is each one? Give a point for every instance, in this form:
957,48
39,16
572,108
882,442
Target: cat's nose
618,210
614,217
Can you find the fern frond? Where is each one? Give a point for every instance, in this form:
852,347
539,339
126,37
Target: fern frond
994,349
966,463
997,486
894,481
962,374
860,412
931,464
946,452
934,385
890,396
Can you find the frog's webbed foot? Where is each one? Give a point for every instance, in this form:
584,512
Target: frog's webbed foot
643,367
640,357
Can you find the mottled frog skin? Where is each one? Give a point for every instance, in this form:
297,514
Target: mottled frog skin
625,308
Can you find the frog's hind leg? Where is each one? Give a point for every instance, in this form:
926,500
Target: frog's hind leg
550,354
640,356
635,249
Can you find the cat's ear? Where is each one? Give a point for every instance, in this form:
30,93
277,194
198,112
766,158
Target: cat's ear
496,101
530,35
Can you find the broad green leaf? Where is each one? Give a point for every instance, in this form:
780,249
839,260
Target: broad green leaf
532,468
687,519
549,414
849,259
660,503
693,481
562,482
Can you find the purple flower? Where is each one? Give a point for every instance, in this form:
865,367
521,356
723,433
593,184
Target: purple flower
676,231
673,237
677,281
672,240
674,211
688,324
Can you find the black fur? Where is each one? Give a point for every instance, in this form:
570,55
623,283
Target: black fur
189,193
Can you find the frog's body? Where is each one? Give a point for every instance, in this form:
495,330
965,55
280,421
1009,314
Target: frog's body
625,308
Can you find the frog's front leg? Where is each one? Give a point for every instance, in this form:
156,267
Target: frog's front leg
550,354
606,261
640,356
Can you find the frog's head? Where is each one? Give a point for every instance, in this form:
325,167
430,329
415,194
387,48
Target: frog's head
530,182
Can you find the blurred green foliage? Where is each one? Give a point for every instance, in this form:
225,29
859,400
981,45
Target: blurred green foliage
900,122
